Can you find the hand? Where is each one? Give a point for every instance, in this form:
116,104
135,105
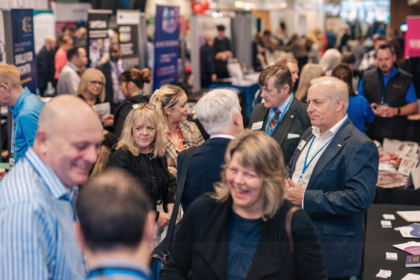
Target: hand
295,193
389,112
213,77
377,112
109,120
99,115
170,207
163,220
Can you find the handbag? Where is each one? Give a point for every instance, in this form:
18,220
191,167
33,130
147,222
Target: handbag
161,252
289,227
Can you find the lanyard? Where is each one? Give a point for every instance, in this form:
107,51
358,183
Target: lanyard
116,271
306,165
181,144
280,118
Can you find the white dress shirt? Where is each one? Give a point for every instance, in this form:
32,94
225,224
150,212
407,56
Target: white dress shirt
318,143
222,136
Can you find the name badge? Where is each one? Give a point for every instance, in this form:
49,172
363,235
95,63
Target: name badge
301,145
257,125
11,161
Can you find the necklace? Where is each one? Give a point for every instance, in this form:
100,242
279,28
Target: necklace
149,155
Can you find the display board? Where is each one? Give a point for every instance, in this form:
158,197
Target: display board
44,24
166,46
75,14
412,38
98,50
128,30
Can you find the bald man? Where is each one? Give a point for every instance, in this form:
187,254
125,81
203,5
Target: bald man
45,66
37,195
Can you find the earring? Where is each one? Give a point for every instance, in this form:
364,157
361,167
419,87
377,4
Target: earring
169,113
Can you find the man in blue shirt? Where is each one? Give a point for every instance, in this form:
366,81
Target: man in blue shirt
115,201
391,94
37,196
25,107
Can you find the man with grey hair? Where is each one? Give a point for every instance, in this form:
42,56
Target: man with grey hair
45,67
220,114
332,176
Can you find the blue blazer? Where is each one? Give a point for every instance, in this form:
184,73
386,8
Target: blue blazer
205,168
341,189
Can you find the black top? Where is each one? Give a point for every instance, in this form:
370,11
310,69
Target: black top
152,173
220,66
120,115
206,64
96,102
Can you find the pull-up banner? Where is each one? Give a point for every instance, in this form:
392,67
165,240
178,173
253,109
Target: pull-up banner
98,51
128,25
166,46
23,46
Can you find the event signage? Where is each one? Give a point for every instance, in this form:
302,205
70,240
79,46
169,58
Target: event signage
128,37
44,24
23,46
166,46
98,36
74,14
412,37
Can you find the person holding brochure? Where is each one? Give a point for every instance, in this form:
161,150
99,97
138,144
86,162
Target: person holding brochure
332,176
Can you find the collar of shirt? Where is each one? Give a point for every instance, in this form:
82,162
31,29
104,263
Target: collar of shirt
114,263
391,74
331,132
72,66
56,187
221,136
15,109
116,64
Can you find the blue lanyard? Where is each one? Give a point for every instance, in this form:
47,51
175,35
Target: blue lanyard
116,271
280,118
305,166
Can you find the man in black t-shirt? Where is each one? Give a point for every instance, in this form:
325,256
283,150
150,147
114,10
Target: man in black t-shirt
222,49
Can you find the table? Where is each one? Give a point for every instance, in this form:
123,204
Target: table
402,196
248,90
380,240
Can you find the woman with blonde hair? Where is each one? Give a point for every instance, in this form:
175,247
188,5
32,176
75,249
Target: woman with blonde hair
171,103
240,231
65,42
309,71
141,151
92,87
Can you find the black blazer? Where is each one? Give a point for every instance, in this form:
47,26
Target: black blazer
204,170
45,68
202,240
120,115
109,88
295,121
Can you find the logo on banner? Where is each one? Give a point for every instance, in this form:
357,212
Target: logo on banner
98,24
124,34
26,24
169,20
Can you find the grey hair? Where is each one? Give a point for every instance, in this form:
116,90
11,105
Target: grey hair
330,59
216,108
336,89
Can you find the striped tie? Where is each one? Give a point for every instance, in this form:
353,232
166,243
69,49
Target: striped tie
274,121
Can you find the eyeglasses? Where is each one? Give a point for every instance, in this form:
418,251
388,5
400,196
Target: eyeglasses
146,105
97,83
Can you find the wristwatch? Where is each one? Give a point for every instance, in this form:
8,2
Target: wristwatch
399,111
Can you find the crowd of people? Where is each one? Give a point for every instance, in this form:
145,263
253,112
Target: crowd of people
89,195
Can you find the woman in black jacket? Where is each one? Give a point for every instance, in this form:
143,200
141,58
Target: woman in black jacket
141,151
131,85
238,232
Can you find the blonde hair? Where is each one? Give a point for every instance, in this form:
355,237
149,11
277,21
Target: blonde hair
309,71
88,76
166,97
10,75
127,141
262,154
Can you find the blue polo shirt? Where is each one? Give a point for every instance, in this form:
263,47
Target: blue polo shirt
410,96
25,122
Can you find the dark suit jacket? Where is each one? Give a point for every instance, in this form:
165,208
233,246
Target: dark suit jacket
109,89
295,121
201,246
341,189
45,68
205,168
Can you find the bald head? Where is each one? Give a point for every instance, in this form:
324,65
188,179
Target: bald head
68,139
50,42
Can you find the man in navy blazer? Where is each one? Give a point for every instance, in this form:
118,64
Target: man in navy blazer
332,176
220,114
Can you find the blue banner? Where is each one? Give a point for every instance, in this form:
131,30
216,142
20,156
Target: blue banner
166,46
24,46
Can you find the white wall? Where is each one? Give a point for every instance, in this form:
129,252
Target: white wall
28,4
314,19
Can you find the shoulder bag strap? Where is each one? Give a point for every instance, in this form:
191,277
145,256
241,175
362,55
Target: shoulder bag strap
289,227
180,188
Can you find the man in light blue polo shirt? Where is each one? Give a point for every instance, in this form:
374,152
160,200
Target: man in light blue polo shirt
25,107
